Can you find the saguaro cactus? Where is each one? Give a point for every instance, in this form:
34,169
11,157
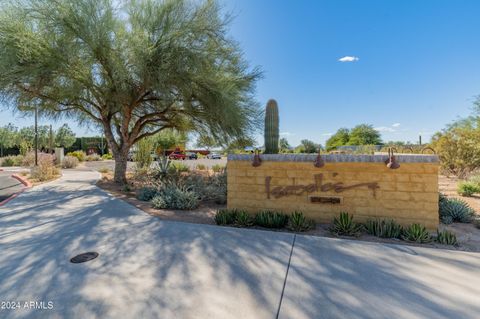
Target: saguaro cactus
272,133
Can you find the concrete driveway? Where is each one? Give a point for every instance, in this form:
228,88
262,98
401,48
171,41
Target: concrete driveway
8,185
148,268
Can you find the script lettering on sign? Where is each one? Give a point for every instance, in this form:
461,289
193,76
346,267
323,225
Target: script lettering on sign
318,185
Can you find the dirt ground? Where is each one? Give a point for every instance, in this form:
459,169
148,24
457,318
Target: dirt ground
468,235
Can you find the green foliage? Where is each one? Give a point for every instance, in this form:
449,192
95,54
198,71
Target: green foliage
80,155
107,156
168,139
173,197
146,193
226,216
467,188
416,233
345,226
243,219
70,162
179,167
134,68
446,238
385,228
364,134
271,219
298,222
217,168
307,146
284,145
64,136
455,210
143,154
272,131
340,138
8,136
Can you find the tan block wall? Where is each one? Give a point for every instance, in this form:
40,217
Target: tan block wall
408,194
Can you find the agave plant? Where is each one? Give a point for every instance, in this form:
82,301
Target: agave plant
416,233
455,210
385,228
298,222
243,219
446,238
271,219
225,216
344,225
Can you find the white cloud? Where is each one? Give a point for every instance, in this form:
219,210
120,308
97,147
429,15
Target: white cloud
396,125
385,129
348,58
286,134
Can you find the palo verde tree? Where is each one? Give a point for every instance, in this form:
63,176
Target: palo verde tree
132,67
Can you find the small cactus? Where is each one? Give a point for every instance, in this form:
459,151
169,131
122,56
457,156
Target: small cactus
272,133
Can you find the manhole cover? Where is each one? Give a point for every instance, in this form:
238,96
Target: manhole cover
84,257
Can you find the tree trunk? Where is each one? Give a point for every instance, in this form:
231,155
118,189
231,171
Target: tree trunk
120,174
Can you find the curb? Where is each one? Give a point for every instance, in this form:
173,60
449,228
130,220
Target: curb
21,180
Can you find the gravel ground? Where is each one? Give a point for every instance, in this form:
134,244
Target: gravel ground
191,163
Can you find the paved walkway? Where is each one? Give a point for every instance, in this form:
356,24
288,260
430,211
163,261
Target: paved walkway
150,268
8,185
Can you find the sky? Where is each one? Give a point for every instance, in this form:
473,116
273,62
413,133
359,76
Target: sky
407,67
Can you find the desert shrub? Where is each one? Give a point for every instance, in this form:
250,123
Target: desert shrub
93,158
216,188
344,225
385,228
143,154
476,223
416,233
46,169
455,210
446,238
174,197
298,222
7,161
201,167
29,158
467,188
146,193
271,219
107,156
80,155
70,162
243,219
104,170
226,216
179,167
217,168
475,179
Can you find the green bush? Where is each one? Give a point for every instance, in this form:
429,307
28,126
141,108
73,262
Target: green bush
173,197
217,168
143,155
455,210
179,167
226,216
243,219
80,155
416,233
70,162
7,161
298,222
446,238
468,188
385,228
344,225
107,156
270,219
146,193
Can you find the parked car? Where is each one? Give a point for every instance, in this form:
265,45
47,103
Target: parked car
214,156
177,156
191,155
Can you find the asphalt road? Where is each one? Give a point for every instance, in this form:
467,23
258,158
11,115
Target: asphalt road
131,165
149,268
8,185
